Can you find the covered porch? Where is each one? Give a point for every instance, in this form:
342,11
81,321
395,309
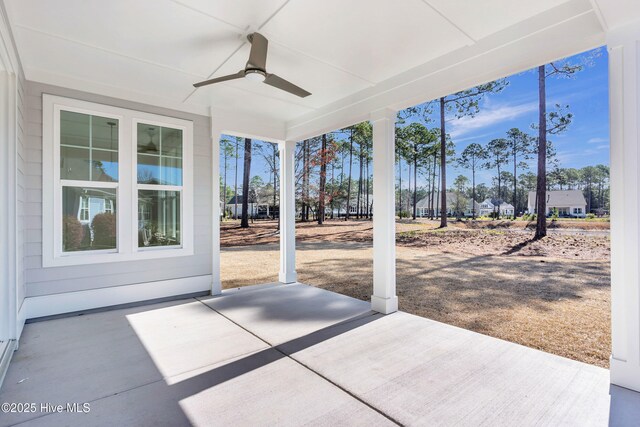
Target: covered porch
284,352
294,354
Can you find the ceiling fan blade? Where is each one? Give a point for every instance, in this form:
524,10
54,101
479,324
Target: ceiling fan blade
280,83
238,75
258,54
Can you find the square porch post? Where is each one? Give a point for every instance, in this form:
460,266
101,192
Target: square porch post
216,283
384,299
624,96
287,215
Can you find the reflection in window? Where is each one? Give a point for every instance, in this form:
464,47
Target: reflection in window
88,147
84,209
159,155
88,218
158,218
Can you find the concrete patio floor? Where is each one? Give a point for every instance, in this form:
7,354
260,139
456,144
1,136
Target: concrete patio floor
295,355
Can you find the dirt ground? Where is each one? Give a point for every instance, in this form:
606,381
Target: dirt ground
489,277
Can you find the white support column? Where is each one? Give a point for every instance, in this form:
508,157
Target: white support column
384,299
624,96
216,283
287,212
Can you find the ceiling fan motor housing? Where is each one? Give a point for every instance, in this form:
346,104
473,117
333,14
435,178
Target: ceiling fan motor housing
255,74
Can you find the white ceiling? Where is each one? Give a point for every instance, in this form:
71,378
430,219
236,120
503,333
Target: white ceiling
342,51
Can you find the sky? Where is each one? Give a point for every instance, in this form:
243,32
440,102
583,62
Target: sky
585,142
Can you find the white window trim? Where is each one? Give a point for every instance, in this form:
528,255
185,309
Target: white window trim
127,194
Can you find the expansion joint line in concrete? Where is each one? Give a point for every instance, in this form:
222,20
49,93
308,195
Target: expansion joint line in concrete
393,420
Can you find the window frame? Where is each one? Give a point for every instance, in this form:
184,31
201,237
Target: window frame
126,187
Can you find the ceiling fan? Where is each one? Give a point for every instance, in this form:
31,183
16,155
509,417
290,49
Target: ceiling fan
256,69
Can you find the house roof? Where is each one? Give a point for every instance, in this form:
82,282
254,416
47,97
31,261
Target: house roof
561,198
232,200
355,57
497,202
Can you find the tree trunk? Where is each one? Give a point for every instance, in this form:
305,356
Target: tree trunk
473,191
245,183
437,198
409,192
235,191
224,196
346,215
515,180
367,188
307,188
415,187
541,185
499,195
303,205
358,208
323,179
433,188
275,185
443,168
341,179
333,187
400,187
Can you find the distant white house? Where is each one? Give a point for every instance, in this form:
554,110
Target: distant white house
491,206
567,202
340,209
255,209
422,207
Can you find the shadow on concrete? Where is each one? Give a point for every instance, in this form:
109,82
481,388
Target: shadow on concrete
245,365
292,304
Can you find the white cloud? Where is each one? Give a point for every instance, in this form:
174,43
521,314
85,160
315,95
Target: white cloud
488,116
471,138
597,140
603,147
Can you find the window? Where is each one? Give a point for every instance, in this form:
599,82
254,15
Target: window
89,181
83,216
159,184
118,182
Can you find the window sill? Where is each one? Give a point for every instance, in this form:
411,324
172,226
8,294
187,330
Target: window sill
114,257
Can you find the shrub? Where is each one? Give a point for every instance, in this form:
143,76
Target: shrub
104,230
591,216
72,233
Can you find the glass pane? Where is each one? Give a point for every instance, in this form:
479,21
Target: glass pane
104,133
148,169
88,147
158,218
74,163
148,139
74,129
88,219
171,172
171,142
159,155
105,166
